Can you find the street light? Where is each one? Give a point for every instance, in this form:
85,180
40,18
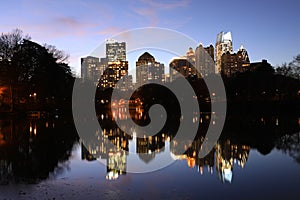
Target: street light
34,95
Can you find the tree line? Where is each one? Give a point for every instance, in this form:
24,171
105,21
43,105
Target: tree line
33,74
291,69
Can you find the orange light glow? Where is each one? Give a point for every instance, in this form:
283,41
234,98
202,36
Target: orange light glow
191,162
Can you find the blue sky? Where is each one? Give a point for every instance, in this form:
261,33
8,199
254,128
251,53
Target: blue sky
269,29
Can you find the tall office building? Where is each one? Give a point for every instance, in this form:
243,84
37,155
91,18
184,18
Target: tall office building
115,67
182,67
109,68
232,63
125,83
185,65
89,67
102,66
205,59
147,69
211,51
190,56
113,73
115,51
166,78
223,45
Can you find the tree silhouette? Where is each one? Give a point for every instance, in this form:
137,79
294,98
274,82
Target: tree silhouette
28,67
291,69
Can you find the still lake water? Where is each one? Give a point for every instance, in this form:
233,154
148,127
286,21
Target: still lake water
45,159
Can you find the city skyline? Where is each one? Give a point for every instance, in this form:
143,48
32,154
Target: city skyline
200,58
149,99
267,28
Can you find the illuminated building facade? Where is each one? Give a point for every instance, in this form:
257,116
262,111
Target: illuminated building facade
102,66
194,62
114,67
190,56
232,63
223,45
115,51
166,78
126,83
113,73
148,70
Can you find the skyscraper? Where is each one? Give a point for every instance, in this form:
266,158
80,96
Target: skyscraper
182,66
190,56
223,45
115,66
113,73
102,66
231,63
147,69
211,51
89,67
205,60
115,51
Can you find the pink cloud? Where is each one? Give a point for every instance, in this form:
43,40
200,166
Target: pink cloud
149,14
169,5
68,21
150,9
110,30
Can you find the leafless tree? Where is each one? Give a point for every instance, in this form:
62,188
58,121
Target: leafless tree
10,42
59,55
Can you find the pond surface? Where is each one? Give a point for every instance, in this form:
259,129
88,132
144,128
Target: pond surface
45,159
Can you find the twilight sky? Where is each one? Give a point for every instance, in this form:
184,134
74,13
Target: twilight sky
268,29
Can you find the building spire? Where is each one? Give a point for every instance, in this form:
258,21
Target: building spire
241,47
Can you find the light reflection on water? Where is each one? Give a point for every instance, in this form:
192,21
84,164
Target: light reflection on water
227,153
261,156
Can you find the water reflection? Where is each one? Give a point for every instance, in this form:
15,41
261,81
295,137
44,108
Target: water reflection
34,149
240,135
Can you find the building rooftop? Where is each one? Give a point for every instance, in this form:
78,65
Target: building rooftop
227,36
146,56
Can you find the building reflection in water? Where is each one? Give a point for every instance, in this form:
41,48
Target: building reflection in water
227,154
115,155
33,149
116,164
223,156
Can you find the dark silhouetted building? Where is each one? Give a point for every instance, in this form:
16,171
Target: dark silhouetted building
89,66
262,66
181,66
